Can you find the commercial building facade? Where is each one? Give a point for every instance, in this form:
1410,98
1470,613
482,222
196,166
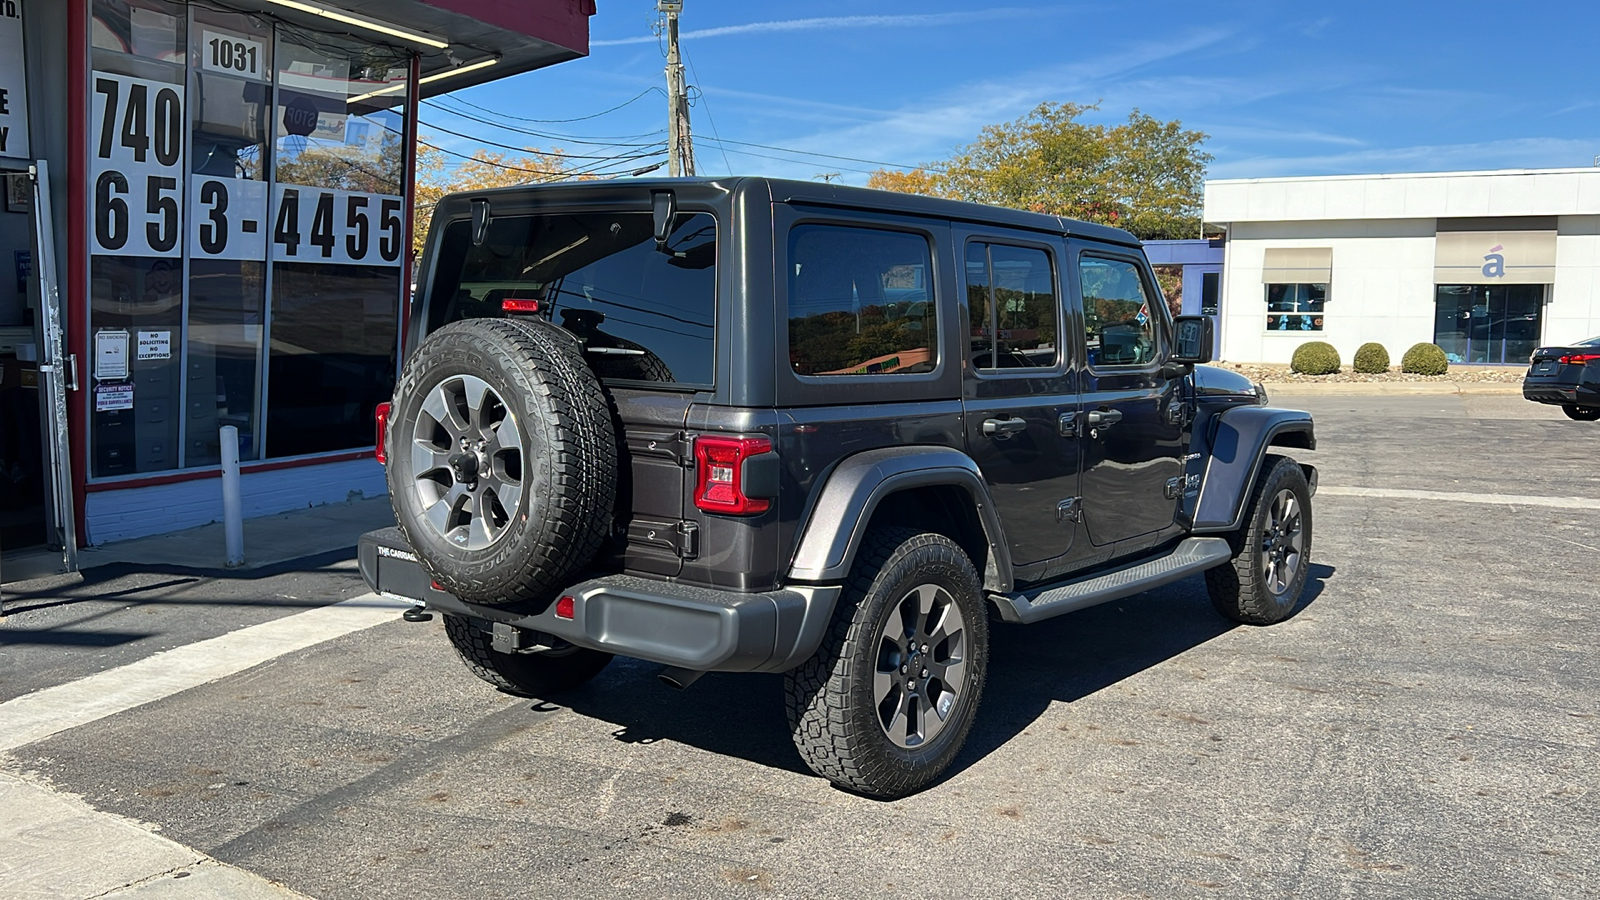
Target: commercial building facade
1488,265
208,210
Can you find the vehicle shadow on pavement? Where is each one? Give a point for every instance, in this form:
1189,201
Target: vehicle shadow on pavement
1056,661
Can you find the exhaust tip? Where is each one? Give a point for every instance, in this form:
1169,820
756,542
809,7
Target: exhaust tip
678,679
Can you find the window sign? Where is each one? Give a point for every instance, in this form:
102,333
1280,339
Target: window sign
155,345
230,53
136,168
110,355
227,218
13,83
327,226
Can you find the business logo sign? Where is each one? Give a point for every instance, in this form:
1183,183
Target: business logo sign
1494,264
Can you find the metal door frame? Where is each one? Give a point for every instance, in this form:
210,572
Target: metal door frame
57,375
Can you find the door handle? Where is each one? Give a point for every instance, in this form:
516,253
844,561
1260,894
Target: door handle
1003,428
1104,418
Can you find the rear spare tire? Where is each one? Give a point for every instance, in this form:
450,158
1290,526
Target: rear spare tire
502,459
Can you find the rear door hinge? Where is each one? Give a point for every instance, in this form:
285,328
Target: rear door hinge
1070,510
687,538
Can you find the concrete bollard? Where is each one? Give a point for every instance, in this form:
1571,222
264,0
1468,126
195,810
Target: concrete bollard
232,509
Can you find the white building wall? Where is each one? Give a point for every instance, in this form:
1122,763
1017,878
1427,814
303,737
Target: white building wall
1381,229
1382,288
121,515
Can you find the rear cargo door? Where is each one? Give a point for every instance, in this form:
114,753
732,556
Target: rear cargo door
646,316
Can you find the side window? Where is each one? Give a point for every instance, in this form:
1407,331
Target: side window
1011,303
860,302
643,312
1118,322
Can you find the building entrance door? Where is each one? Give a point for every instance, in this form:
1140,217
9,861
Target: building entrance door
1496,324
23,473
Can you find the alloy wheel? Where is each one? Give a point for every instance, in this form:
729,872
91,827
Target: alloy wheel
921,665
1282,542
466,462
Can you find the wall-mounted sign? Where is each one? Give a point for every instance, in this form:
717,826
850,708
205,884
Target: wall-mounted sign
112,397
110,355
13,83
223,52
136,166
319,225
155,345
227,218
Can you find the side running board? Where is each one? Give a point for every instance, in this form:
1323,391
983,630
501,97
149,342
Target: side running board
1192,555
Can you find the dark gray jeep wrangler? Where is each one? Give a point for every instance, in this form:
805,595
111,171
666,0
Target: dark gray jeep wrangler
767,426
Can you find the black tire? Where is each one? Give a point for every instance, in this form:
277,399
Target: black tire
837,724
1248,588
562,458
1582,413
524,674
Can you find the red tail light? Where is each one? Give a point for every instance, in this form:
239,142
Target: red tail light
1579,359
382,418
719,475
519,306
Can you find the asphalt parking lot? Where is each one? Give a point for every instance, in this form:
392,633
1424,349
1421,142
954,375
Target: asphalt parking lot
1427,725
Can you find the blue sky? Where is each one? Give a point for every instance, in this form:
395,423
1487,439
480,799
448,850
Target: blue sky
1282,89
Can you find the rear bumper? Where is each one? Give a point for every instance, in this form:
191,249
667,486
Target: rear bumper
1568,394
696,628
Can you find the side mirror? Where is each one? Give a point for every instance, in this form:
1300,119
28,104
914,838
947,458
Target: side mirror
480,221
664,214
1192,339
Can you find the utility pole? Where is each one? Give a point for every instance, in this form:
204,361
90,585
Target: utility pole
680,147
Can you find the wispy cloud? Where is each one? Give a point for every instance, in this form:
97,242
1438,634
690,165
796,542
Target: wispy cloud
831,22
1515,153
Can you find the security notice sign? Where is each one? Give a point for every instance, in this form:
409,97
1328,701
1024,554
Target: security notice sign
13,83
136,166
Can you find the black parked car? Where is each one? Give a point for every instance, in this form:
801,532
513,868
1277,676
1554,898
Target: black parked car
1568,377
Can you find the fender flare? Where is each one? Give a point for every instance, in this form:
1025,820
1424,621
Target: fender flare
836,522
1239,441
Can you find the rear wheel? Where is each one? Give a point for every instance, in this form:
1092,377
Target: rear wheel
524,674
887,701
1272,551
1582,413
502,459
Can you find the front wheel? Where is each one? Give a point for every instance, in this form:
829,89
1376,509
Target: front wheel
887,701
1582,413
1263,582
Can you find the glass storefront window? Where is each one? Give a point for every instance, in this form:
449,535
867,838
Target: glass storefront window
246,235
1295,307
1492,324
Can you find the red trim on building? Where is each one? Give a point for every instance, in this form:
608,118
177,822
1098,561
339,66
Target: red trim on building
244,469
76,308
565,24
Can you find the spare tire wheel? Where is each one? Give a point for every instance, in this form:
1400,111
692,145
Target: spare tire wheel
502,459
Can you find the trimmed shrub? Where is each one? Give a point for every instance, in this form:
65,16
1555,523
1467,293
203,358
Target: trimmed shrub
1315,358
1372,359
1424,359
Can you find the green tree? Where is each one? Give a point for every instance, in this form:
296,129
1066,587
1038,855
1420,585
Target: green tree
1144,175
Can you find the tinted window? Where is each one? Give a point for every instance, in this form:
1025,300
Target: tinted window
1118,321
860,302
645,313
1011,303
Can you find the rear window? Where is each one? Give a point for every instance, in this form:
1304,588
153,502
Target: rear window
860,302
645,313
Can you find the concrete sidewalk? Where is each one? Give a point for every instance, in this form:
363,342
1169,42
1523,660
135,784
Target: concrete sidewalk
58,847
268,541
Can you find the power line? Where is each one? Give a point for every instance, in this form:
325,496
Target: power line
713,121
614,141
634,99
483,140
873,162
